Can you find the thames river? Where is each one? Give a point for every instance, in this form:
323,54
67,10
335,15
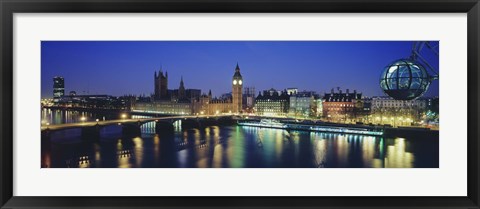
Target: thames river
228,147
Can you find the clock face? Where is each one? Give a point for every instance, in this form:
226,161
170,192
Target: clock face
234,82
239,82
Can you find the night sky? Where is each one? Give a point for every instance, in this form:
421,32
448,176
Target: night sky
127,67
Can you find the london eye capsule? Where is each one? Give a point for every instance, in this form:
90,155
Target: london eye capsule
405,79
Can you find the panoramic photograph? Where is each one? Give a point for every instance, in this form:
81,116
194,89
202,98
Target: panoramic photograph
240,104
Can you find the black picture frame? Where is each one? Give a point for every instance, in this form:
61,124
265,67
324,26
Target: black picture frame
9,7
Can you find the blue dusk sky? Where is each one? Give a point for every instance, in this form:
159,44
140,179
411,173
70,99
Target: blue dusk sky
127,67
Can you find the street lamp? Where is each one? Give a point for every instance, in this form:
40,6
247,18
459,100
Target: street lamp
97,120
83,119
124,116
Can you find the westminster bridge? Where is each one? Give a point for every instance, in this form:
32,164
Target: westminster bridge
92,129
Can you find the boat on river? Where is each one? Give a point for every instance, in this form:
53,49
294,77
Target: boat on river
265,123
300,126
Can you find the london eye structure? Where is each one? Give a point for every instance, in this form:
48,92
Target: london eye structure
409,78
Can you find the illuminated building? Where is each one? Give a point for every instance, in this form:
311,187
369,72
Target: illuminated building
58,88
272,103
386,110
46,102
387,102
207,105
303,104
99,101
319,107
184,101
168,101
292,91
341,107
237,87
227,103
164,107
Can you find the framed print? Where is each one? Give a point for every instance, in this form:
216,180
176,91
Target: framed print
237,104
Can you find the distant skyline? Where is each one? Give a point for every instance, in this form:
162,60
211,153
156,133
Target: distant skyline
127,67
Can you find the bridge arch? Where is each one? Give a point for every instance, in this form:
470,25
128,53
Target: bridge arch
133,126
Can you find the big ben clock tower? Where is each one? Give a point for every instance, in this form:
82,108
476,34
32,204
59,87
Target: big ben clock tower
237,86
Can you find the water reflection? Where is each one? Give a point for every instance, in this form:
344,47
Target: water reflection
234,147
55,116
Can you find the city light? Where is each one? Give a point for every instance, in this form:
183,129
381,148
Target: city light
280,112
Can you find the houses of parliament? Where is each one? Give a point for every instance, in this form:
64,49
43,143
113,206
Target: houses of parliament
184,101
